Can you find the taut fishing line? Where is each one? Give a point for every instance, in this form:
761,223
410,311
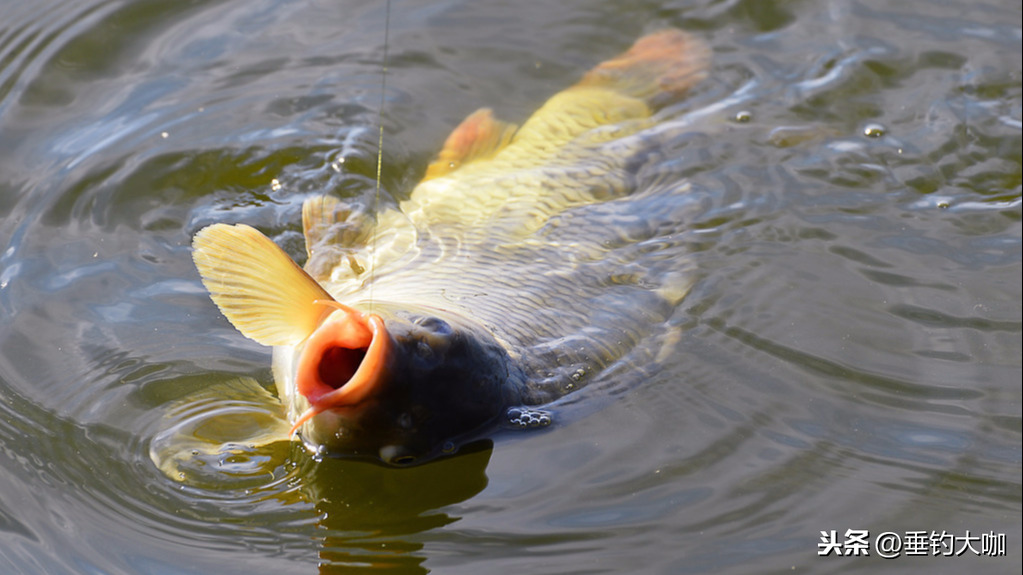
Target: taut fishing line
380,148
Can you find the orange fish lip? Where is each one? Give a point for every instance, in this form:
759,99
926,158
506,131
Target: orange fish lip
352,348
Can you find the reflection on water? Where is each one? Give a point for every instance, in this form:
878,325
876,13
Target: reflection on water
848,357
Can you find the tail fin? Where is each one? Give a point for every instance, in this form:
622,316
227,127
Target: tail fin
623,91
658,69
655,72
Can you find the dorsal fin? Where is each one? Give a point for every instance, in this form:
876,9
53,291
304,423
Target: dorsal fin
260,290
319,214
330,221
657,69
335,230
478,137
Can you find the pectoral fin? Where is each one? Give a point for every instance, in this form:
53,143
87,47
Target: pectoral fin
228,431
260,290
478,137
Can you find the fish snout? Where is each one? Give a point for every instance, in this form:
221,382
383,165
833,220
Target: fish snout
404,391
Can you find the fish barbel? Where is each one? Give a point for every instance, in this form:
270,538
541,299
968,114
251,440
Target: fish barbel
417,328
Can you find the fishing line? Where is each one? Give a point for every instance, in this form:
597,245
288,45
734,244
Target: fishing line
380,149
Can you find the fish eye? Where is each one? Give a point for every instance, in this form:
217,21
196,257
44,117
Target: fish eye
396,455
435,324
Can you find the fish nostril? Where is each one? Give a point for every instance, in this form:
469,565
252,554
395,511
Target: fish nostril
424,350
338,365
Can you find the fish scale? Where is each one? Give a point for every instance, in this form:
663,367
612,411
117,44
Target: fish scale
528,308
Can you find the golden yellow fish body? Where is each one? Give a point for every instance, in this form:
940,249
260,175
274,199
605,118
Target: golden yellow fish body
468,297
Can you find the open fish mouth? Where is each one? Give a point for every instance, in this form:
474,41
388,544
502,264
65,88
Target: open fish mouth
342,362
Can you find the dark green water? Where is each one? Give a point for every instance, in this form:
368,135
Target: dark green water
849,358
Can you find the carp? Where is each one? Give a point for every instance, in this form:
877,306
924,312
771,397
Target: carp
423,326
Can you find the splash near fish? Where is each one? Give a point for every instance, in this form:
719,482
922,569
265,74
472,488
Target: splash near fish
420,327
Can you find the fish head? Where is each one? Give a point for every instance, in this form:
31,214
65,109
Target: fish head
396,385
